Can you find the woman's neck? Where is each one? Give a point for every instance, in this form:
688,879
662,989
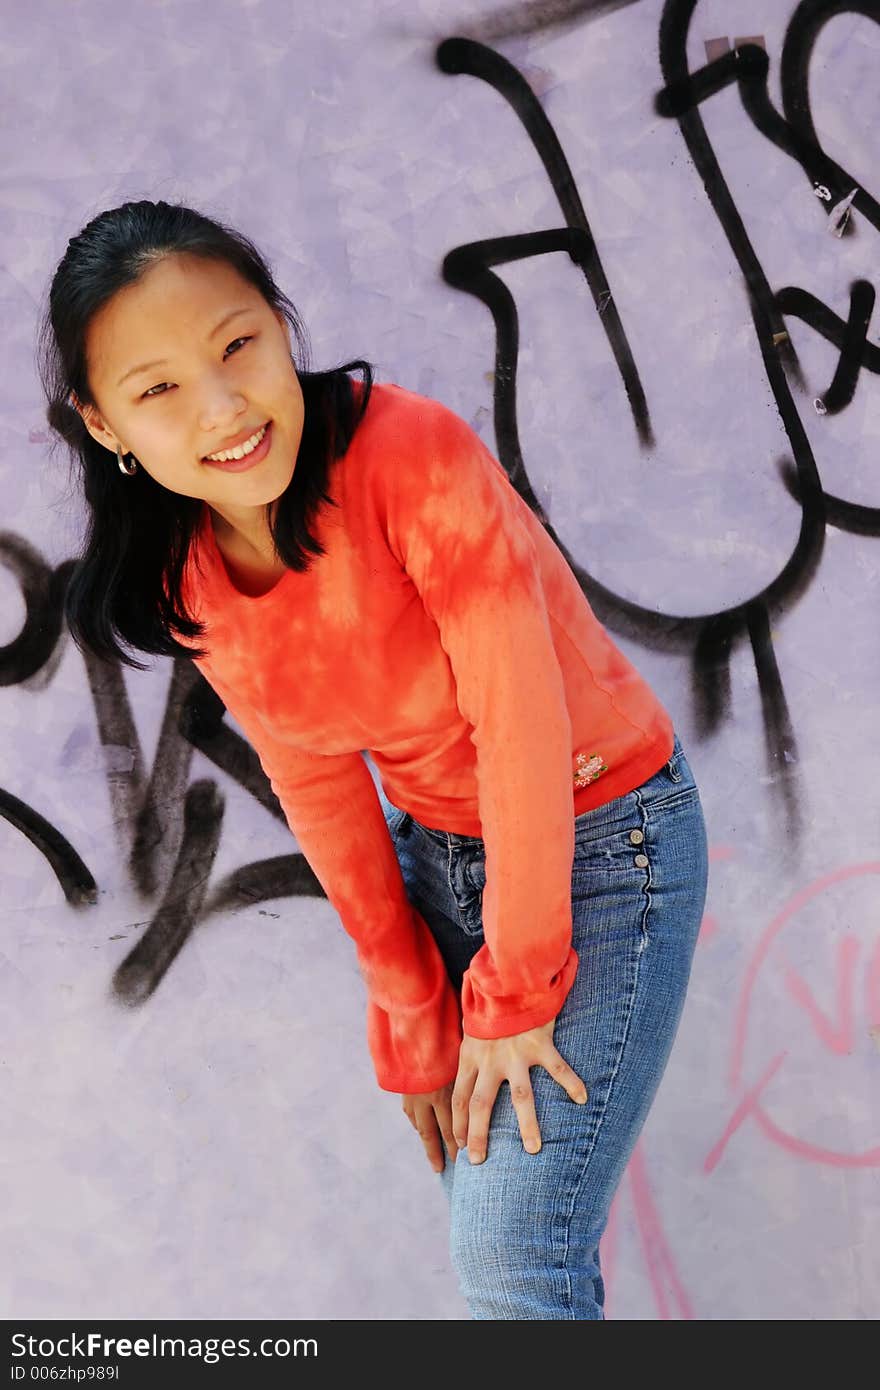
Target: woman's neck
248,535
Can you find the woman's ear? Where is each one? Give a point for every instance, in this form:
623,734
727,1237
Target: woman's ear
94,424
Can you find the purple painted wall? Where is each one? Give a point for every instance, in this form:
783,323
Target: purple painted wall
217,1147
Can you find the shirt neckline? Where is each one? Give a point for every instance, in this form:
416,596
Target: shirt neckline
223,574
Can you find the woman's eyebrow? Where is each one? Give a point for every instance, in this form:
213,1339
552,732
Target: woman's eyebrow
148,366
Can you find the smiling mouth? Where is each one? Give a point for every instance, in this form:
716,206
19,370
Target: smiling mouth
206,458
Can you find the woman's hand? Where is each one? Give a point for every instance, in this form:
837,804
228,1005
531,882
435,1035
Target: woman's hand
482,1066
430,1113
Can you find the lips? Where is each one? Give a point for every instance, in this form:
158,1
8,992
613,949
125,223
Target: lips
243,440
248,461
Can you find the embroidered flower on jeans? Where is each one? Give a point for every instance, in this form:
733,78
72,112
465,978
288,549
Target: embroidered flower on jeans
588,769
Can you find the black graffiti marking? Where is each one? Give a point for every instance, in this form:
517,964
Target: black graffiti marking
468,265
748,67
800,304
186,903
850,338
178,824
712,668
159,823
116,729
282,876
663,632
804,28
779,735
42,589
846,375
807,23
76,880
139,973
193,716
852,517
466,268
797,137
194,713
709,638
681,96
536,15
711,665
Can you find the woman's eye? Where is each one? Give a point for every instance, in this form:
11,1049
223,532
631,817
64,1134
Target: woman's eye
149,394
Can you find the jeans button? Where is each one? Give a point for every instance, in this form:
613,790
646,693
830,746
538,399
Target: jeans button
636,837
641,861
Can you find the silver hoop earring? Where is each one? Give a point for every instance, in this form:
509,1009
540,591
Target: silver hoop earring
123,465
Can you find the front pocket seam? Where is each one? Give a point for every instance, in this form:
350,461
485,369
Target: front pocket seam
469,905
676,797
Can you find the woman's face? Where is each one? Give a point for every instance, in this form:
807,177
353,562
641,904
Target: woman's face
213,383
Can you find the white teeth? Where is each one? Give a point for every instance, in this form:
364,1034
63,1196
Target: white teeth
239,452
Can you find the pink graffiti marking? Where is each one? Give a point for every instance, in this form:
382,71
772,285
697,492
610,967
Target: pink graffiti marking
839,1034
709,926
747,1106
840,1039
790,909
670,1295
659,1258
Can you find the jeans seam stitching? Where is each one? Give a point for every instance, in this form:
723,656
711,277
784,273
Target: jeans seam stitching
649,882
449,875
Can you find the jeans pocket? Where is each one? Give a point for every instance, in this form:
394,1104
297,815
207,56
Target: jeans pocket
671,768
396,820
467,879
673,785
616,848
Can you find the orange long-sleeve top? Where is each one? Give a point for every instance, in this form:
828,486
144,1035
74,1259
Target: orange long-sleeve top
444,632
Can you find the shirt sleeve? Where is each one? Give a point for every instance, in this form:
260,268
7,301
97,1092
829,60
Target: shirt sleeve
457,525
332,807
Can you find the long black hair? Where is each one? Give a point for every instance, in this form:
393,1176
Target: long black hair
126,584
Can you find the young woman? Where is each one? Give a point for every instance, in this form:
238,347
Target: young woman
526,886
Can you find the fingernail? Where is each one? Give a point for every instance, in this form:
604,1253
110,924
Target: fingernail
581,1099
475,1157
533,1145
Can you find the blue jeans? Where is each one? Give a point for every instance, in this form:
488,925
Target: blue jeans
525,1228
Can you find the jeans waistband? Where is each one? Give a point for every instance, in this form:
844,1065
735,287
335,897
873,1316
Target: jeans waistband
675,769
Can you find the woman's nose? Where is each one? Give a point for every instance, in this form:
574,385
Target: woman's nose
222,409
